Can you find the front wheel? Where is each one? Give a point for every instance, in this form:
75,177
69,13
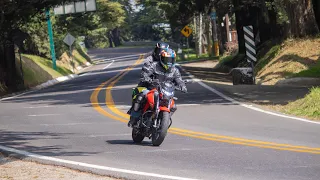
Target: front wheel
137,137
159,134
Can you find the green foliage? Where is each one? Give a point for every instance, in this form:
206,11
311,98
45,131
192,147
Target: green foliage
309,106
82,53
266,58
313,71
46,65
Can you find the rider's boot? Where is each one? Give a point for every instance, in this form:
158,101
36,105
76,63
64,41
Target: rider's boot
135,111
133,118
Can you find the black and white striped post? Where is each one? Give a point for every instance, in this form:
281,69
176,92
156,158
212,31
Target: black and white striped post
251,51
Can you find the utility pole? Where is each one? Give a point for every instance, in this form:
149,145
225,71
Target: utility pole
50,33
215,33
227,27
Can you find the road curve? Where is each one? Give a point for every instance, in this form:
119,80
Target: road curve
84,120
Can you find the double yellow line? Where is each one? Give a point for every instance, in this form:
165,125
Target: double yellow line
114,113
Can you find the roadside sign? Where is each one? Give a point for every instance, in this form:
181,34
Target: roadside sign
186,31
213,16
69,39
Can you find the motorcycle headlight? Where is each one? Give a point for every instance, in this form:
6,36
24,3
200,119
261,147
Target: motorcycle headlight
166,93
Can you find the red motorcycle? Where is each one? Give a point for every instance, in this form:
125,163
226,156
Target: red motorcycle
155,119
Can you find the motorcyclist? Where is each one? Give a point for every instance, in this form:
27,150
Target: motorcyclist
151,57
155,54
162,70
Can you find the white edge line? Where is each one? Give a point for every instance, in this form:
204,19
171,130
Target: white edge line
114,58
246,105
108,65
86,165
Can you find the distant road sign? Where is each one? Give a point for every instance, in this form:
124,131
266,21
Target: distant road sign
69,39
213,16
76,7
186,31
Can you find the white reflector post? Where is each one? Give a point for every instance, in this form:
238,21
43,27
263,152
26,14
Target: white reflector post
69,8
91,5
59,10
80,7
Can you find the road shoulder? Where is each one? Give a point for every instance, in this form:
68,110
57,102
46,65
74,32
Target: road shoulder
268,97
12,168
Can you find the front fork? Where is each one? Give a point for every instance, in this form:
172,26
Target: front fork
156,109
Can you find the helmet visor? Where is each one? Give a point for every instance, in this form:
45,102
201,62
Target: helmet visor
168,62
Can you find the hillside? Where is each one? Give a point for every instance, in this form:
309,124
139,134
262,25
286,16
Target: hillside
293,58
37,70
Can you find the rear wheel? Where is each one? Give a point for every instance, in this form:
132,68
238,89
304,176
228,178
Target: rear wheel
137,137
159,134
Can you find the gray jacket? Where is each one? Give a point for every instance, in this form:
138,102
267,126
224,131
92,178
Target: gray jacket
155,70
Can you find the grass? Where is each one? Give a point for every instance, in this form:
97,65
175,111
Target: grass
309,106
313,71
268,57
193,57
32,77
3,89
79,58
190,55
83,53
288,59
46,65
226,59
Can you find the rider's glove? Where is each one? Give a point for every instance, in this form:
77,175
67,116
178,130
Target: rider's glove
184,89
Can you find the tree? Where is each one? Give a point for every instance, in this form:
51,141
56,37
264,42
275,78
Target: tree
316,8
14,13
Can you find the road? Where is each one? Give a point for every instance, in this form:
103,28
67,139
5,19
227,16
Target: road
84,120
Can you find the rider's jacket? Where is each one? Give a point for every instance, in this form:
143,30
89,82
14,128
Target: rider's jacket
155,70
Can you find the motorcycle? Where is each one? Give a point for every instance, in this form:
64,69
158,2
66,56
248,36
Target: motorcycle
155,119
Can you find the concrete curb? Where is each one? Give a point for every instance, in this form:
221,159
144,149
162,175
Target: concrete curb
192,61
55,81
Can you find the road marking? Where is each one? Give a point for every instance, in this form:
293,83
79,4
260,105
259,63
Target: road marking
245,144
123,117
81,164
85,74
102,58
108,65
36,107
94,96
41,115
71,124
241,139
246,105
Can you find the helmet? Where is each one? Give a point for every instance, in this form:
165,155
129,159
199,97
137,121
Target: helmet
168,58
158,48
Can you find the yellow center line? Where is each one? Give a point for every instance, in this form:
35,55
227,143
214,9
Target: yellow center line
123,117
94,96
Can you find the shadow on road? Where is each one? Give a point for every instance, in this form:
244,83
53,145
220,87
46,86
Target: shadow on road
258,94
21,140
129,142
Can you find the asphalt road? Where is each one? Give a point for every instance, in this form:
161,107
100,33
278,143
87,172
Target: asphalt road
84,120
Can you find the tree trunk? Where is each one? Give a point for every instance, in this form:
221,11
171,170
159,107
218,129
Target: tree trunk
208,35
302,21
110,39
316,9
240,33
200,35
116,37
9,55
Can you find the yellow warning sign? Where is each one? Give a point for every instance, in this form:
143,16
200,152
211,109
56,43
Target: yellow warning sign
186,31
